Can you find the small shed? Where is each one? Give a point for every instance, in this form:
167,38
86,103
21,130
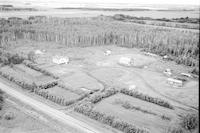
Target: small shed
150,54
175,82
132,87
186,75
168,72
165,57
127,61
60,60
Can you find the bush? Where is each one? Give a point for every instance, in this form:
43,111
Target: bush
98,97
190,121
174,130
1,99
8,58
9,116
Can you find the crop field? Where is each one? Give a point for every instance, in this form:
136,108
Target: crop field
23,73
111,106
131,96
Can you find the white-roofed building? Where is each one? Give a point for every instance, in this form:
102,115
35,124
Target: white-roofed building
60,60
127,61
175,82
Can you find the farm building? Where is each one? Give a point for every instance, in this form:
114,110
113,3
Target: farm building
107,52
38,52
175,82
60,60
186,75
127,61
150,54
132,87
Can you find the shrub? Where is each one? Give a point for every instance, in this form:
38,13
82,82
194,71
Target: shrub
98,97
1,99
9,116
174,130
190,121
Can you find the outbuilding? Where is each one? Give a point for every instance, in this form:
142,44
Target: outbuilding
107,52
186,75
60,60
127,61
175,82
168,72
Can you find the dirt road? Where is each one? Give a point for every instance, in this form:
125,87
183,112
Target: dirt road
56,114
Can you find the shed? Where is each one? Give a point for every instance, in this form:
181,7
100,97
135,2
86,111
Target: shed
168,72
186,75
132,87
38,52
175,82
127,61
150,54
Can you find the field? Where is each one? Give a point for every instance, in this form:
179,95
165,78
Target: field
153,123
98,85
21,121
23,73
92,13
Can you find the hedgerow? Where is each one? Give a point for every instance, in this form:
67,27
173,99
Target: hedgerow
23,84
98,97
112,121
32,66
147,98
190,121
57,99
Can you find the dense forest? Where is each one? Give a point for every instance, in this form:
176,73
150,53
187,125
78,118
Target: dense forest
181,45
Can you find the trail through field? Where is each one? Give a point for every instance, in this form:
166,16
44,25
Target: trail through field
79,126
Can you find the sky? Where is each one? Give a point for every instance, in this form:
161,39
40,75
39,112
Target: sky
150,4
177,2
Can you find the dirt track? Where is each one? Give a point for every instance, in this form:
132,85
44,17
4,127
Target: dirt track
58,115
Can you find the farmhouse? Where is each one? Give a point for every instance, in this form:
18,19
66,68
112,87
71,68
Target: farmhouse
175,82
60,60
127,61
